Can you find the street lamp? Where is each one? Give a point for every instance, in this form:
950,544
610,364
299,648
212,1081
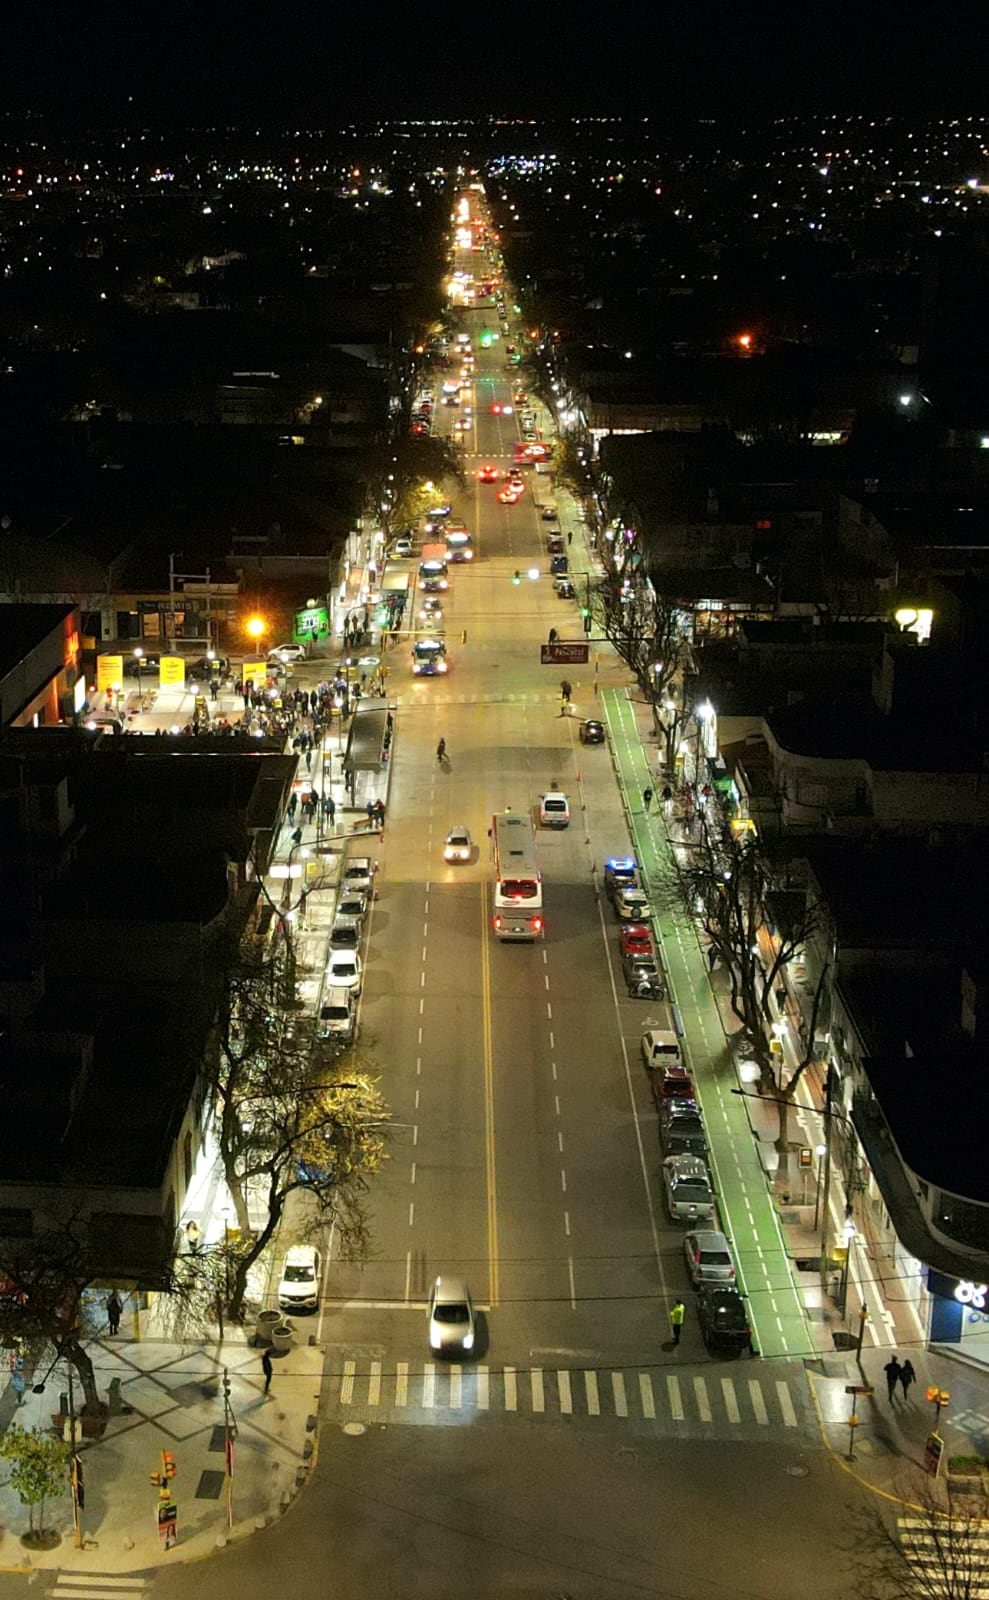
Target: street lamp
138,658
820,1152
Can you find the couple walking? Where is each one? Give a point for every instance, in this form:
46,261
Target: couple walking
899,1373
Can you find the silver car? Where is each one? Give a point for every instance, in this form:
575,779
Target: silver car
708,1257
451,1318
688,1189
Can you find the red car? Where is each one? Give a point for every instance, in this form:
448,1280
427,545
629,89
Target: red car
487,474
635,939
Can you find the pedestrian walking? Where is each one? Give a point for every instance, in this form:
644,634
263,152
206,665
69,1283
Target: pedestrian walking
329,807
712,957
553,635
267,1369
308,760
293,806
646,799
677,1313
667,796
566,690
379,811
114,1311
569,536
893,1371
370,809
907,1377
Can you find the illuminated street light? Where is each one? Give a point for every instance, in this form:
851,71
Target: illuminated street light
255,627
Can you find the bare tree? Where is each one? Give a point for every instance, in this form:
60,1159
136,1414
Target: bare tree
397,471
285,1120
646,629
47,1275
936,1550
728,884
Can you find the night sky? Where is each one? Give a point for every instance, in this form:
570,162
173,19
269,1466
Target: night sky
322,64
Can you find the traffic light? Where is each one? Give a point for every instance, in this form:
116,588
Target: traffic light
516,576
167,1465
585,613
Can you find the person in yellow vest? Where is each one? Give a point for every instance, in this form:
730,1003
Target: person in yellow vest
677,1313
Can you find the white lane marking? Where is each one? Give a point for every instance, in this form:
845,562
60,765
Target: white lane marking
563,1179
703,1403
786,1404
549,1010
731,1403
566,1397
618,1394
646,1396
413,1173
429,1384
511,1389
566,1223
483,1392
591,1393
573,1284
559,1141
347,1386
758,1404
676,1403
374,1386
75,1579
401,1383
456,1387
552,1041
412,1212
408,1275
538,1397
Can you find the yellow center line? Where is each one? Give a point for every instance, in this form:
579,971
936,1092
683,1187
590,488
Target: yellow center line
489,1128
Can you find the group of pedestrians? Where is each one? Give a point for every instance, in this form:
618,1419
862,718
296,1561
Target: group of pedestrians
899,1372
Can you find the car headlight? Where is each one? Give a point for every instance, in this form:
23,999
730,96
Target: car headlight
468,1341
434,1339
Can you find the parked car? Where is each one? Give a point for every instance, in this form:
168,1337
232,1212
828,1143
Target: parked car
635,939
401,548
337,1016
352,904
644,977
708,1257
661,1050
298,1289
345,933
358,873
343,970
287,654
681,1127
619,871
722,1317
631,904
451,1317
687,1188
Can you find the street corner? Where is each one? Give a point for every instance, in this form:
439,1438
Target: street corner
880,1443
197,1454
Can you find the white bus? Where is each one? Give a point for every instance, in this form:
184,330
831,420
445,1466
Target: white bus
518,885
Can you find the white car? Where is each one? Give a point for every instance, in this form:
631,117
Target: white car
451,1317
302,1274
343,970
287,653
458,846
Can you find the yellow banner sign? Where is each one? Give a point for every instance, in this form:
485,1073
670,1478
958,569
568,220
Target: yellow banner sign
109,672
256,671
172,672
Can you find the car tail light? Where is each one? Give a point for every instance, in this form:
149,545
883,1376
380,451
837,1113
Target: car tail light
537,923
497,922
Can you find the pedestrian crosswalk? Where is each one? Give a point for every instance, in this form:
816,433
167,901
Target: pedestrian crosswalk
99,1586
636,1395
950,1556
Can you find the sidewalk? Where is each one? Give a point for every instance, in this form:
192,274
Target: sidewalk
168,1395
887,1446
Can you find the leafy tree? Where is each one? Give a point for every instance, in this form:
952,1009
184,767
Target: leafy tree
645,628
396,474
285,1119
39,1469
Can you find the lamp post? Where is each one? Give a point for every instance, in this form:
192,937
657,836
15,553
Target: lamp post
138,658
820,1151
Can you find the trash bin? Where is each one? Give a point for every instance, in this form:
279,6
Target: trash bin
281,1336
267,1320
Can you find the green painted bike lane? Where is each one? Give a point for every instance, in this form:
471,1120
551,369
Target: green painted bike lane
776,1308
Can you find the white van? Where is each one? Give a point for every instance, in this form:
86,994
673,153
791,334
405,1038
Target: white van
554,810
337,1016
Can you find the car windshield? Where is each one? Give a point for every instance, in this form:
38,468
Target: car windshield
298,1274
448,1313
344,967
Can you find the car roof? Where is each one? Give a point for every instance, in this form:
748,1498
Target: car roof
299,1253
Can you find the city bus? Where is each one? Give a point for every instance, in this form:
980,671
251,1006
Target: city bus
518,885
429,657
